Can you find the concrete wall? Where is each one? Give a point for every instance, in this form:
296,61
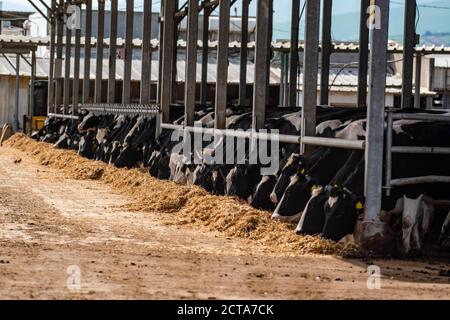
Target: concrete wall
7,99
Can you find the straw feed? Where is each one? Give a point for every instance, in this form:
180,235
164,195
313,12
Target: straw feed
189,206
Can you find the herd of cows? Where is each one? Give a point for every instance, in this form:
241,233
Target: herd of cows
323,191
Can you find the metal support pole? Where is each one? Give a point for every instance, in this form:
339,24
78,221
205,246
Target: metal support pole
222,65
286,79
67,65
417,81
204,78
146,65
167,59
269,51
87,53
191,63
33,79
174,59
160,53
363,54
326,51
243,54
16,125
310,66
409,43
51,85
126,94
282,83
59,55
112,52
261,59
99,51
375,113
293,56
76,71
388,153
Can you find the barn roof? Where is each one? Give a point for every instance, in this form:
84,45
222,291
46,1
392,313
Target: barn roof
343,80
277,46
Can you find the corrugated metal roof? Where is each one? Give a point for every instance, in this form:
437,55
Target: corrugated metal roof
277,46
345,81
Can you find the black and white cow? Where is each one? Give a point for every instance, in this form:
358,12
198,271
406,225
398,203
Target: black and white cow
313,217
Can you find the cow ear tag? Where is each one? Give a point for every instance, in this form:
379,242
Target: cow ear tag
359,205
314,187
302,171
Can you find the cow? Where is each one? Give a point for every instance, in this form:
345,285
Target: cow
301,184
344,204
313,217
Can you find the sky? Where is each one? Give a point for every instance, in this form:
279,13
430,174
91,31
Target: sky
282,7
342,12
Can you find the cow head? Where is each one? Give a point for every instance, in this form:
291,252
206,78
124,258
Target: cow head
261,196
89,122
341,212
203,177
291,167
313,216
294,199
241,180
411,220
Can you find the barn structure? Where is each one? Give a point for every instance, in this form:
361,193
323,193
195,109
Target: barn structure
316,49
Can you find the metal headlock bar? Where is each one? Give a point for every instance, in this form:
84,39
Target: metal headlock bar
390,149
62,116
118,108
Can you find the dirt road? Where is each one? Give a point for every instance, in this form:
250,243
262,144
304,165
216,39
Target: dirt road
49,223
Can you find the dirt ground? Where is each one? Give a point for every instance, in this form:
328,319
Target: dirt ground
50,223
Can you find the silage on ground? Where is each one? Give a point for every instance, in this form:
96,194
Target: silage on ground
189,206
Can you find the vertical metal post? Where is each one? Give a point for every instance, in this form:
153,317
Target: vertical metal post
417,81
87,53
282,84
126,94
293,56
388,153
191,63
286,79
167,59
205,39
310,66
16,125
243,54
175,57
59,55
409,43
67,65
76,71
112,52
363,54
99,51
33,79
261,59
326,51
222,65
160,52
51,85
146,64
269,52
375,112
